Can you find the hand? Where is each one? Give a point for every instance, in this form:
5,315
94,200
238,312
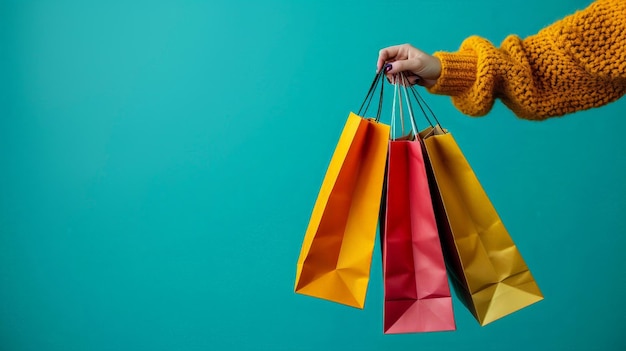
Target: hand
419,67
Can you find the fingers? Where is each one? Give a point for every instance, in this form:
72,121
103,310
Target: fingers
419,67
413,65
388,54
428,69
413,79
405,67
408,79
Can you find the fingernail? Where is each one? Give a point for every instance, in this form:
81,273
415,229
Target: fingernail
388,67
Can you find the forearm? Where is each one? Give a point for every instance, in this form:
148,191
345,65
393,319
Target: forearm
575,64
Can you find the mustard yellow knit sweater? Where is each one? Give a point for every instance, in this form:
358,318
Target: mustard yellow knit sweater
575,64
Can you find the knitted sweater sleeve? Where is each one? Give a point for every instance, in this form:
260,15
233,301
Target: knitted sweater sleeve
575,64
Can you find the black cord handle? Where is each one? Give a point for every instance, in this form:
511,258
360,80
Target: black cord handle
420,100
370,95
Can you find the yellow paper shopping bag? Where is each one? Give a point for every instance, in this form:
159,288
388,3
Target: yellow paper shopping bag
488,271
336,254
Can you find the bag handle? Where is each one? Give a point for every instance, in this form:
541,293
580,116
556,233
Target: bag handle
422,103
392,130
370,95
399,86
401,83
397,103
409,106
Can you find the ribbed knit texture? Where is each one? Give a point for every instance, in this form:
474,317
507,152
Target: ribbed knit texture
575,64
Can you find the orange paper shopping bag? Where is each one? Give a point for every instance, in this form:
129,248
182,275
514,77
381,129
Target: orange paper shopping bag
336,253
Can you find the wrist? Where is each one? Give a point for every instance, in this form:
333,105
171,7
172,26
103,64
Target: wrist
458,73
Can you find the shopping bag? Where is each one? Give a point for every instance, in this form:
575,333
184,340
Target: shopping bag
336,253
488,272
416,292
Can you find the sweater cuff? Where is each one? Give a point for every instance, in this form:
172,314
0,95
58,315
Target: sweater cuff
458,73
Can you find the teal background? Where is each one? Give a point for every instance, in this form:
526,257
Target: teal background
160,160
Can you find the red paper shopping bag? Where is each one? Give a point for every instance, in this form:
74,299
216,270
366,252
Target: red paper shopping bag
417,295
